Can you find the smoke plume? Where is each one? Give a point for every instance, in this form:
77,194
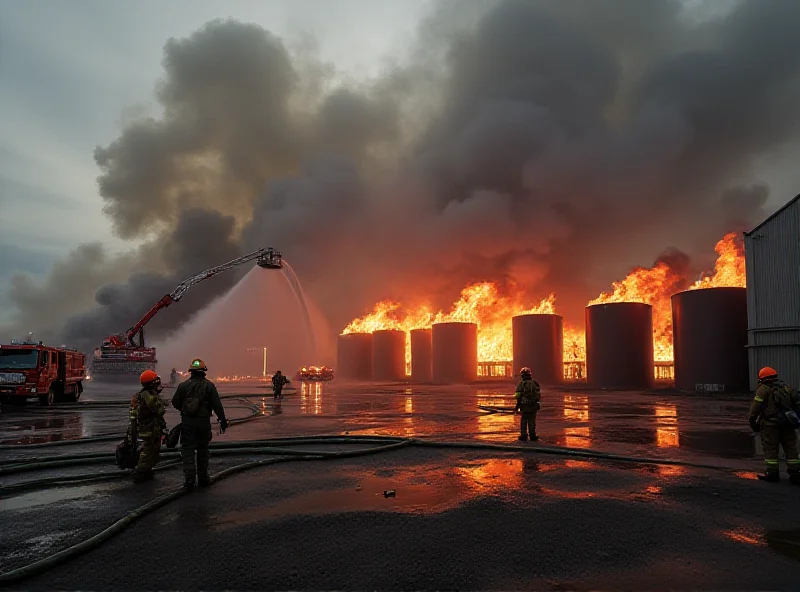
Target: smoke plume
548,146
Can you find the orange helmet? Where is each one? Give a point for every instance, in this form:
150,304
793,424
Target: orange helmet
148,376
198,365
766,373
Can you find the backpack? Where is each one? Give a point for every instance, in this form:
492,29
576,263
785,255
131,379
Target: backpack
193,400
127,454
784,401
531,393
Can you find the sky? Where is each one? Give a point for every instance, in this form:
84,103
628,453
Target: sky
75,73
71,80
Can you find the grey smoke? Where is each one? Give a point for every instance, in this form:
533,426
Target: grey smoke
547,145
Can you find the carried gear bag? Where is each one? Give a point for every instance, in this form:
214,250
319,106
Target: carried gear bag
127,454
174,437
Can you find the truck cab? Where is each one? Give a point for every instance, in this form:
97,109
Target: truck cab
51,374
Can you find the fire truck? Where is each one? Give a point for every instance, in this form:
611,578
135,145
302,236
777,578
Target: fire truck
126,355
31,369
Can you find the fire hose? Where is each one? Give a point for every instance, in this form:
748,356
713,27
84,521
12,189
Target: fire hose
278,454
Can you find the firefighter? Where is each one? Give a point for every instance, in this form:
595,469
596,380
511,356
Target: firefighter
147,422
278,380
528,395
773,414
196,398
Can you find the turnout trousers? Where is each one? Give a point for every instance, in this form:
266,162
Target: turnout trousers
774,437
527,424
194,450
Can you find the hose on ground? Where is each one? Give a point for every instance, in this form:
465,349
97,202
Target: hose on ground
222,449
38,567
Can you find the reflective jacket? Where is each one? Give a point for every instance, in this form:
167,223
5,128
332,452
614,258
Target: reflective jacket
765,404
147,414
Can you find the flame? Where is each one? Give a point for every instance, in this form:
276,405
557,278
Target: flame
652,286
481,303
729,271
656,285
574,344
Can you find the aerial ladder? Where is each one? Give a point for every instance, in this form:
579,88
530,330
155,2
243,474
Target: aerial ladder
126,353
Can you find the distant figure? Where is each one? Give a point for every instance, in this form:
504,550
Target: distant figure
528,394
196,398
774,414
173,377
278,380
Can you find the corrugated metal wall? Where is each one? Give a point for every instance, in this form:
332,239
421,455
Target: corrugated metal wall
772,255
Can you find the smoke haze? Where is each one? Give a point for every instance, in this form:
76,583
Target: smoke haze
546,146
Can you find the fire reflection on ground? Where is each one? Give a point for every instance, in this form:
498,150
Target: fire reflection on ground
576,409
492,473
743,536
50,429
311,398
667,426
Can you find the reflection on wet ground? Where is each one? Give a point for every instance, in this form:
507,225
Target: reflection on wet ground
618,422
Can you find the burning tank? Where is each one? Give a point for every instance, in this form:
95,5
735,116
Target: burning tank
619,345
455,352
538,342
354,356
710,339
388,355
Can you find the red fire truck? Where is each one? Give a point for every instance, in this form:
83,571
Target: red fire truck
32,369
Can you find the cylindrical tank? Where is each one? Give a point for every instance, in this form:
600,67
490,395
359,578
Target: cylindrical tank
619,345
354,356
709,329
454,349
388,355
421,355
538,343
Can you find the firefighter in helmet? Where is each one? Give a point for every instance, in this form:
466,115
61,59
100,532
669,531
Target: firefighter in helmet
774,414
147,423
196,398
528,395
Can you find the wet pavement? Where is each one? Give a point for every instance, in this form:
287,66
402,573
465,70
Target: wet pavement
487,519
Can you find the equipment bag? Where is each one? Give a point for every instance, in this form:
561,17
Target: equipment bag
783,398
191,405
127,454
174,436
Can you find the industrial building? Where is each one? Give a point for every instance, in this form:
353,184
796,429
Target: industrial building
772,259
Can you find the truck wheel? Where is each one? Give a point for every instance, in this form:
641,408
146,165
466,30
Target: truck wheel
75,394
49,398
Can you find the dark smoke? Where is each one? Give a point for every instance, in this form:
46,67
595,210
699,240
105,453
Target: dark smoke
549,146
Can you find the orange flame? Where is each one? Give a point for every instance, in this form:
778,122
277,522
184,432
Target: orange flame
652,286
729,271
656,285
482,304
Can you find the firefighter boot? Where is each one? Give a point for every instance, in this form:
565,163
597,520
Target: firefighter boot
770,477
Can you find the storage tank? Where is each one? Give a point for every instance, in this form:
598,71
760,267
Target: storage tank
454,349
354,356
421,355
538,342
388,355
709,328
619,345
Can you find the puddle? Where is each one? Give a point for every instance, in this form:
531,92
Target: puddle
41,498
785,542
366,496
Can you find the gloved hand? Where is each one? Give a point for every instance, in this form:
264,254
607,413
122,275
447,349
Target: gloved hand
754,425
223,425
